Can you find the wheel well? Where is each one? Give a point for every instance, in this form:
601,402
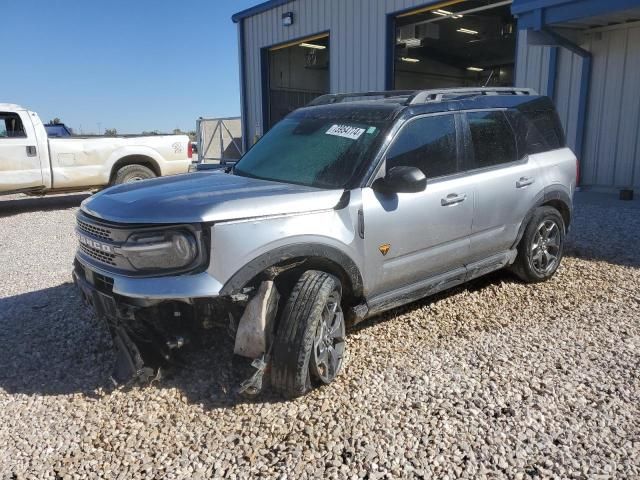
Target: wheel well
562,208
285,264
287,272
134,160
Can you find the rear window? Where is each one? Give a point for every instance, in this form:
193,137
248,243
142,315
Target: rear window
537,131
547,124
492,138
57,130
537,127
11,126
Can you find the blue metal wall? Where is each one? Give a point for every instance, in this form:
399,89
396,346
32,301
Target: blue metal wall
596,85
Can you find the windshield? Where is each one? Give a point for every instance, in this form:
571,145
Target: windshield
317,151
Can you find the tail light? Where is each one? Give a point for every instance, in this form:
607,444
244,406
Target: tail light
189,150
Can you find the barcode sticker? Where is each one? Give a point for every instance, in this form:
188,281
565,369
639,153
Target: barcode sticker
346,131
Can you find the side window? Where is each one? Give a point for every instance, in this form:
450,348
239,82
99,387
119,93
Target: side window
427,143
536,131
11,126
548,126
493,139
529,139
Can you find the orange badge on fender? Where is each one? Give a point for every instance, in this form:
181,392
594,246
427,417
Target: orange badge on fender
384,249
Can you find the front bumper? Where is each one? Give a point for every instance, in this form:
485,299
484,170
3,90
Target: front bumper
131,362
200,285
149,329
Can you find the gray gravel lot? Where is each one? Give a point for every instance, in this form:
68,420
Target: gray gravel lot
495,379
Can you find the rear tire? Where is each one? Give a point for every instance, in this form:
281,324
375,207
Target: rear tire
541,248
310,341
133,173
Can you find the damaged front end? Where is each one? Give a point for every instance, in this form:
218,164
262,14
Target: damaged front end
149,334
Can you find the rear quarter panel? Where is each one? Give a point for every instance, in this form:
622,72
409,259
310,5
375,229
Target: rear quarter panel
558,169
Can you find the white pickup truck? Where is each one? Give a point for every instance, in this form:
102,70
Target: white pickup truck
31,162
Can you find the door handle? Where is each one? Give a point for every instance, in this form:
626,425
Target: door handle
31,151
453,199
524,182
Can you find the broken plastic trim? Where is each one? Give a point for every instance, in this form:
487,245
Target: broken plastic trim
129,366
253,385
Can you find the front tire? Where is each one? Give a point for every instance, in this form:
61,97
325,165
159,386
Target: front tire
310,341
541,248
133,173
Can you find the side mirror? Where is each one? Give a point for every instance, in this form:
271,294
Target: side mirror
401,180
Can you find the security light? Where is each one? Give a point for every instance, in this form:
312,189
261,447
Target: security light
409,59
287,19
475,69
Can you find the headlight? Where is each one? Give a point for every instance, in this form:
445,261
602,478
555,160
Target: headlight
161,250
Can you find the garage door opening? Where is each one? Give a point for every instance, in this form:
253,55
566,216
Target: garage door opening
459,43
298,72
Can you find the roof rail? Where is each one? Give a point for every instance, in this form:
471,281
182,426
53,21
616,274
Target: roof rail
417,97
390,95
439,95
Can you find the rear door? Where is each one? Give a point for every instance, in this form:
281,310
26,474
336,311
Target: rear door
410,237
19,160
506,182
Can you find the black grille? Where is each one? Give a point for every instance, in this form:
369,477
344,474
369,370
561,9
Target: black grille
100,232
103,282
99,255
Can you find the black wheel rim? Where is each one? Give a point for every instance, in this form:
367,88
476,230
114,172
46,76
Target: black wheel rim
328,344
546,247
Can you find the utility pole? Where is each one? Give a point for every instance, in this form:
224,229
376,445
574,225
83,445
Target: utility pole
99,128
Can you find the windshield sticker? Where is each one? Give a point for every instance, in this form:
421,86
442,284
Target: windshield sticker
371,130
346,131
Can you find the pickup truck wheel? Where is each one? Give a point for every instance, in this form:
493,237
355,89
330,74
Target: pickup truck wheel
310,341
133,173
542,245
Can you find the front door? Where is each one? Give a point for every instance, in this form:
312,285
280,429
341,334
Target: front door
410,237
19,159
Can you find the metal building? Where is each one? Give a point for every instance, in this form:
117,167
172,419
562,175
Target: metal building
585,54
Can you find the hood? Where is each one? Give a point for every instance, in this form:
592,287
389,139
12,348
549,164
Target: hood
205,197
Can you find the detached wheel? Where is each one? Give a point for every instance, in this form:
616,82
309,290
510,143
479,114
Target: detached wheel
133,173
310,341
542,245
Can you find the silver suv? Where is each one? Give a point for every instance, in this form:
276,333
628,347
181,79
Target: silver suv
349,207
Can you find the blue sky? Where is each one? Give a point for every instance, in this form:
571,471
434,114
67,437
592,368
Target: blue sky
132,65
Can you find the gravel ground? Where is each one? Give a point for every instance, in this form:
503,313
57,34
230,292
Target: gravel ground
495,379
